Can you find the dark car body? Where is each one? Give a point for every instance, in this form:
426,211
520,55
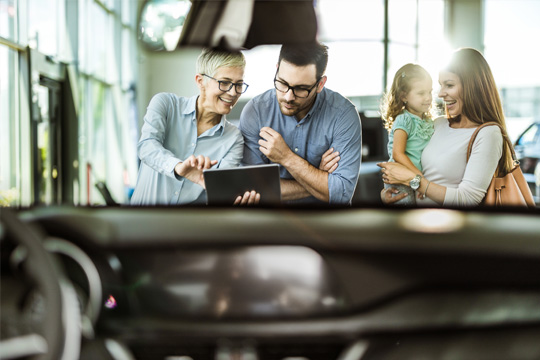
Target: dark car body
291,283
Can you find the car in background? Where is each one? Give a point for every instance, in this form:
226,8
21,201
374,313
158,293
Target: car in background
527,147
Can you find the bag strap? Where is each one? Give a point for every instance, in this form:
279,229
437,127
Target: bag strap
505,137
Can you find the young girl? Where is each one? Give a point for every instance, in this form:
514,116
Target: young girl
406,114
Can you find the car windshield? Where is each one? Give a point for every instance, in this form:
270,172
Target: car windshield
269,180
85,110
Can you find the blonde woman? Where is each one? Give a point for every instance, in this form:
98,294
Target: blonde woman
182,136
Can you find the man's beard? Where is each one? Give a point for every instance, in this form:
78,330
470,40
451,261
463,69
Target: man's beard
286,111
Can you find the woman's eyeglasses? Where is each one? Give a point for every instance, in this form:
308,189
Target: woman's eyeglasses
225,86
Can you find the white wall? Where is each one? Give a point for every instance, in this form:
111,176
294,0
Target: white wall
168,72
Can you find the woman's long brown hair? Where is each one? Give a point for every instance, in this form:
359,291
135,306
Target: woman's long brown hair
480,97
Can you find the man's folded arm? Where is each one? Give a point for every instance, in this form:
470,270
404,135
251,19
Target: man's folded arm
348,141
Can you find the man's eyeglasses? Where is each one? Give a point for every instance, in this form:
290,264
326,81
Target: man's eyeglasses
299,92
224,85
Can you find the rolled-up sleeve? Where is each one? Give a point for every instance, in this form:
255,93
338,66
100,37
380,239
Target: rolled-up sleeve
250,128
348,141
150,146
485,155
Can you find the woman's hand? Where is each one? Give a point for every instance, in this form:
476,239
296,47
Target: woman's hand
395,173
329,161
192,168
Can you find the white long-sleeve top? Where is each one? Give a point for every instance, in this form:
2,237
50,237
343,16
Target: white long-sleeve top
444,161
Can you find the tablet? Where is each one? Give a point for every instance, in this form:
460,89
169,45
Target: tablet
224,185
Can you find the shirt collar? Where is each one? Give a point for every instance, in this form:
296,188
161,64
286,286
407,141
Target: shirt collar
191,109
411,114
191,105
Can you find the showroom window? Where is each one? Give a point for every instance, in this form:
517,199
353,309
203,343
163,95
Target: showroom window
354,31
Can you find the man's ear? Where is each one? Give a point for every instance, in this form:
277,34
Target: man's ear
321,84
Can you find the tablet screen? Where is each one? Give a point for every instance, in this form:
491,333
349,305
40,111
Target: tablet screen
224,185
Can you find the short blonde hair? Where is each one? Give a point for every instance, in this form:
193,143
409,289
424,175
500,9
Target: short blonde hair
210,60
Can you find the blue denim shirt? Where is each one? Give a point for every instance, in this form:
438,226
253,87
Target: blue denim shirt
168,136
333,121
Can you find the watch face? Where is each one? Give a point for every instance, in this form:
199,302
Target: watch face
415,182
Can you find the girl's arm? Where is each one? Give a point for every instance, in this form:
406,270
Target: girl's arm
398,151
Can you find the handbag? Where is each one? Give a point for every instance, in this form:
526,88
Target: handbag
508,190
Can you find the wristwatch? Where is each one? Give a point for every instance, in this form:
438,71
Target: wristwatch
415,182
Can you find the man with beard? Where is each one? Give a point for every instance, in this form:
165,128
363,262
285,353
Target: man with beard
314,133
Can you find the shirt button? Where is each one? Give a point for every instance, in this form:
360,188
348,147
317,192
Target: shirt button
295,149
192,144
298,125
176,193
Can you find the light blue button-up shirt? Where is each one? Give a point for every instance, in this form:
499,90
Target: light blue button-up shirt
168,136
333,121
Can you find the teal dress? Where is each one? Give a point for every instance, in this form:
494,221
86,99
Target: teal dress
419,132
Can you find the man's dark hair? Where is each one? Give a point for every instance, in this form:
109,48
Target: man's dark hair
306,54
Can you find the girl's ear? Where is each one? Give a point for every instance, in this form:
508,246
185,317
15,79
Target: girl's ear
403,98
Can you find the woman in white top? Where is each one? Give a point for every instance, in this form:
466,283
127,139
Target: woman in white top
471,98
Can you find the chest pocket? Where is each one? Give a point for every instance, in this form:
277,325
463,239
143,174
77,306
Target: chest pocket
314,153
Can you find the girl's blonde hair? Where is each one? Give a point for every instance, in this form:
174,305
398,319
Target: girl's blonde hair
392,104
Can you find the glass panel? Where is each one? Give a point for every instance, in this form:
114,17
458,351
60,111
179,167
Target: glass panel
399,55
131,135
355,68
433,49
128,56
114,128
42,26
9,194
350,20
109,4
128,12
402,21
43,174
98,145
261,64
83,31
430,21
84,110
511,30
97,41
8,15
113,51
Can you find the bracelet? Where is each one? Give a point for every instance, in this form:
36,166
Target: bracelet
425,191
